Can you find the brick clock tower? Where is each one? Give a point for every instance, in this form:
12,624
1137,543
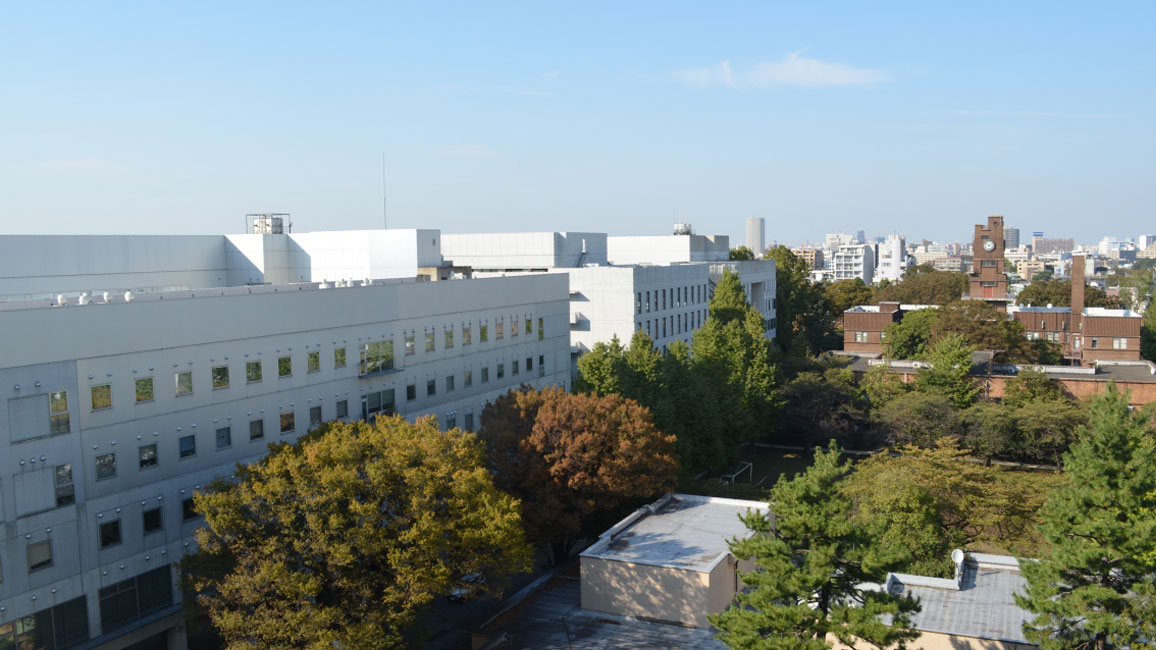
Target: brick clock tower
988,279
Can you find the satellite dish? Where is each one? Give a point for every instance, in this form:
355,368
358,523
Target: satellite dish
957,556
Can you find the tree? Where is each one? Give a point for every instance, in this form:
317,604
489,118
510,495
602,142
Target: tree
880,386
1058,293
1046,430
601,370
923,285
742,253
694,407
1100,528
823,406
921,419
986,327
802,310
1032,385
340,539
845,294
1148,334
574,460
909,338
811,562
950,371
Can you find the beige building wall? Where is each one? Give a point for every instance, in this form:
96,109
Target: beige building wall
646,591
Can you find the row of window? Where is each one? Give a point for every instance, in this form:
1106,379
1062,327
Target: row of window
378,357
674,297
676,324
450,381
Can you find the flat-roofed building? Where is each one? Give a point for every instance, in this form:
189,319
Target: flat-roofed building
863,325
854,261
812,256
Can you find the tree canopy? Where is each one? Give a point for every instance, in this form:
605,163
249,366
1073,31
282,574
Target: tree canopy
845,294
742,253
341,538
949,371
1058,293
909,338
923,285
802,309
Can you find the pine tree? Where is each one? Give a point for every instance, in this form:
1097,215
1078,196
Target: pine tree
950,371
1091,589
811,559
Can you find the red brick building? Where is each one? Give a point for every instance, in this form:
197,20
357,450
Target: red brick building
863,325
988,277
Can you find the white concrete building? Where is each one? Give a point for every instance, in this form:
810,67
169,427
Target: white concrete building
757,235
854,261
892,259
112,414
667,249
525,251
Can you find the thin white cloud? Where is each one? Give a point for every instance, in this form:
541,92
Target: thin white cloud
553,74
794,70
469,151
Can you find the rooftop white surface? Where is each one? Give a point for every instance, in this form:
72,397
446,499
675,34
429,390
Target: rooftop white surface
679,531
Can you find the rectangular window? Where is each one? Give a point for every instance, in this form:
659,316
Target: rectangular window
467,377
411,392
514,326
410,348
429,341
285,367
467,333
499,329
376,357
224,437
288,422
144,390
253,372
65,489
135,598
501,370
312,362
541,330
153,520
485,374
314,417
451,420
256,429
1119,344
648,302
449,337
147,455
987,263
39,555
449,383
469,421
514,367
58,412
105,466
339,357
221,377
529,364
109,533
529,325
1095,343
187,446
484,332
183,382
101,397
860,337
431,387
541,365
342,409
638,303
188,510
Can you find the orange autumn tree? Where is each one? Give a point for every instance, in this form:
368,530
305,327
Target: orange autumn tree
575,460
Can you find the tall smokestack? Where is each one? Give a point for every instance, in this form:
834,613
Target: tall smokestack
1077,291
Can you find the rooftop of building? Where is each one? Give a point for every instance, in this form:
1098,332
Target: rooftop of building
874,309
1143,372
1088,311
679,531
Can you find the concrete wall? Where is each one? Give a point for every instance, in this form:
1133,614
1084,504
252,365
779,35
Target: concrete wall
646,591
525,251
667,249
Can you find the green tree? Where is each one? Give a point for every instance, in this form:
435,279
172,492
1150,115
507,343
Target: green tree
845,294
823,406
601,370
909,338
1058,293
575,460
742,253
949,373
1100,528
341,539
811,562
986,327
1031,385
991,431
802,310
1148,334
1046,430
923,285
880,385
917,418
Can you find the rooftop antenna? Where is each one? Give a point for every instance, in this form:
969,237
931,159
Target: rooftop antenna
384,202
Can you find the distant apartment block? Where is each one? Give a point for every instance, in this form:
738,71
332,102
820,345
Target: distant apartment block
891,261
853,261
1011,238
812,256
1041,244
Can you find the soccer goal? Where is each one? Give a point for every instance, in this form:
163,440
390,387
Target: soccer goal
744,467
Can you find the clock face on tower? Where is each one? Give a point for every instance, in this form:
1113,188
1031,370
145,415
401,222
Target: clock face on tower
989,246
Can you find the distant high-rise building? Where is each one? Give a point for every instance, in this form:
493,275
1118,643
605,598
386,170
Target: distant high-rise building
854,261
860,237
1041,244
812,256
1011,238
1144,241
892,259
757,235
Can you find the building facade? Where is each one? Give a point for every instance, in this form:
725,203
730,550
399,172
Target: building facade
891,262
988,278
757,235
853,261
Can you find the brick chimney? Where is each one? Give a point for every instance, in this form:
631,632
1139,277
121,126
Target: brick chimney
1077,292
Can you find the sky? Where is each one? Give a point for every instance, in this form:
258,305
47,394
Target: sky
912,118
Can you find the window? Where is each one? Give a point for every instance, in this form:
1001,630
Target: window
484,332
101,397
451,420
65,489
256,429
449,383
253,372
501,370
188,510
132,599
147,455
109,533
312,362
285,367
499,329
485,374
105,466
987,263
467,333
62,626
449,337
153,520
514,367
467,378
39,555
431,387
529,364
380,402
647,302
288,422
144,389
541,330
638,303
375,358
529,325
541,364
410,349
187,445
860,337
224,437
221,377
57,412
184,383
469,421
342,409
429,341
1119,344
411,392
1095,343
339,357
514,326
314,417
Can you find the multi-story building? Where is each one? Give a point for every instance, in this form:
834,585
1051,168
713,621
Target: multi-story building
1028,269
952,263
1011,238
863,325
812,256
891,261
683,246
988,278
854,261
757,235
1041,244
116,409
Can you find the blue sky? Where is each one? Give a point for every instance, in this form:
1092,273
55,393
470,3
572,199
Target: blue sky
619,117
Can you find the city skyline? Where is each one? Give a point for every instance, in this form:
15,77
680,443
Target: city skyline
501,118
